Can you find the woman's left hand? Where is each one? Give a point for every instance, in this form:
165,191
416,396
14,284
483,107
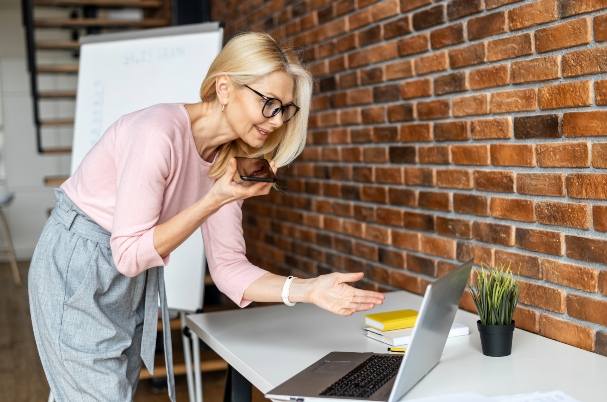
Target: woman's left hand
332,293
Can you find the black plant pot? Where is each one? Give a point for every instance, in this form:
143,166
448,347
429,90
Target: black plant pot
496,340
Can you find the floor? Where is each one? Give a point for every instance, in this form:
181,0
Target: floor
21,376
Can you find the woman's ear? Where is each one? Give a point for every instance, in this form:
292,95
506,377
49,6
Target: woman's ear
222,88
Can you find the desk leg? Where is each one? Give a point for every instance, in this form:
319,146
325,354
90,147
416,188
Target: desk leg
238,388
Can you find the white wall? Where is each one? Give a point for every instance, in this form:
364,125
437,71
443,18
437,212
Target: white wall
25,168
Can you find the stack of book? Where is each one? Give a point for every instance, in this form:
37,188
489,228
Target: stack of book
396,327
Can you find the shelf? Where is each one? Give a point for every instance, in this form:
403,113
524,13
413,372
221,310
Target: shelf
100,3
97,23
57,68
57,94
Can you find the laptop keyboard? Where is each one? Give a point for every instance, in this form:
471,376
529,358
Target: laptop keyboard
366,378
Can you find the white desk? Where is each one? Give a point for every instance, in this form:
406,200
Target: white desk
268,345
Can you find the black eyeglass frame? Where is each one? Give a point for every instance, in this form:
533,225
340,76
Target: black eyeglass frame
281,109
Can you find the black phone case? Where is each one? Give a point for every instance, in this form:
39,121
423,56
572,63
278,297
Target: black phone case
255,169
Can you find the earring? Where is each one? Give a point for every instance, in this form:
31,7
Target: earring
222,107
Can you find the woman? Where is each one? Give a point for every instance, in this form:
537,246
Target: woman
155,177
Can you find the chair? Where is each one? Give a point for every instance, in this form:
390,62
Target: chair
5,201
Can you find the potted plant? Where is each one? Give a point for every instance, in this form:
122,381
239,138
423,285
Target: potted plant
495,295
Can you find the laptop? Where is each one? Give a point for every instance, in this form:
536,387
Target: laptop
384,377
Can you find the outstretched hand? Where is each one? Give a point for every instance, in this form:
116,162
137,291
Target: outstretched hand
226,189
332,293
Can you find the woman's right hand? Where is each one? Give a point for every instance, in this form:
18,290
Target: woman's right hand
226,189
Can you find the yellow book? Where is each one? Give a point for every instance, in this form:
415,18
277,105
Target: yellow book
391,320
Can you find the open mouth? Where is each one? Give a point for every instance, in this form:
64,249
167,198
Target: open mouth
262,131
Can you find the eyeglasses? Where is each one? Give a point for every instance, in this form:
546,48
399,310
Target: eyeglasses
273,106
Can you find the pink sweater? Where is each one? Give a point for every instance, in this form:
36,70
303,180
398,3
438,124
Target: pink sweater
143,171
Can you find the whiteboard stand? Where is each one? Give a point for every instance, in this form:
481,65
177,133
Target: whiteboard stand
114,76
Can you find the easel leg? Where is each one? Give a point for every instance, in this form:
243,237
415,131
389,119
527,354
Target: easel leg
197,373
238,388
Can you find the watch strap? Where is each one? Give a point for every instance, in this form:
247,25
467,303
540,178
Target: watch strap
285,291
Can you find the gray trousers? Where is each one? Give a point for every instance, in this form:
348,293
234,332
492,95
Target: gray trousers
93,326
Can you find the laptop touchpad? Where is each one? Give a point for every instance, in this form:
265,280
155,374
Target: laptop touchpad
331,366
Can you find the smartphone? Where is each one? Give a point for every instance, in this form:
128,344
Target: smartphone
255,169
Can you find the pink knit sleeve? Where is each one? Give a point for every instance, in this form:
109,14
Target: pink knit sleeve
225,252
142,169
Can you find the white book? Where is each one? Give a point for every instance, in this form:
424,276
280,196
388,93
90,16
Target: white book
399,337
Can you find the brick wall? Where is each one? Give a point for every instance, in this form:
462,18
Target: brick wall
442,131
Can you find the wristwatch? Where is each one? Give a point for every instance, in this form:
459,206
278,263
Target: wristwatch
285,291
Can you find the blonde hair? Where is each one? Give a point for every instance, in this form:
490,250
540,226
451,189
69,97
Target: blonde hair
247,58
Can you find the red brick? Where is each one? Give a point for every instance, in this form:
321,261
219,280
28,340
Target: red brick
444,267
510,47
490,4
422,265
585,124
438,246
583,62
400,112
399,27
487,25
389,216
389,175
491,128
402,280
533,70
374,194
538,12
471,204
415,132
468,55
493,233
447,36
368,36
571,94
417,176
360,96
454,227
416,88
415,44
550,184
512,155
587,308
375,154
514,101
568,34
489,77
526,318
435,154
539,126
599,213
600,92
586,249
542,296
494,180
359,19
415,221
470,155
429,17
603,282
451,131
461,8
593,186
402,196
373,75
471,105
385,9
385,134
513,208
572,276
542,241
599,155
574,7
400,69
403,239
564,214
567,332
450,83
402,154
392,258
434,200
434,109
480,253
600,28
408,5
564,154
520,264
454,178
431,63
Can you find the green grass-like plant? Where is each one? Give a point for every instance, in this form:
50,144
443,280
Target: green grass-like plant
495,294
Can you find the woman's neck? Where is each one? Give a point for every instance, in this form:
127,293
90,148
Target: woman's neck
209,128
